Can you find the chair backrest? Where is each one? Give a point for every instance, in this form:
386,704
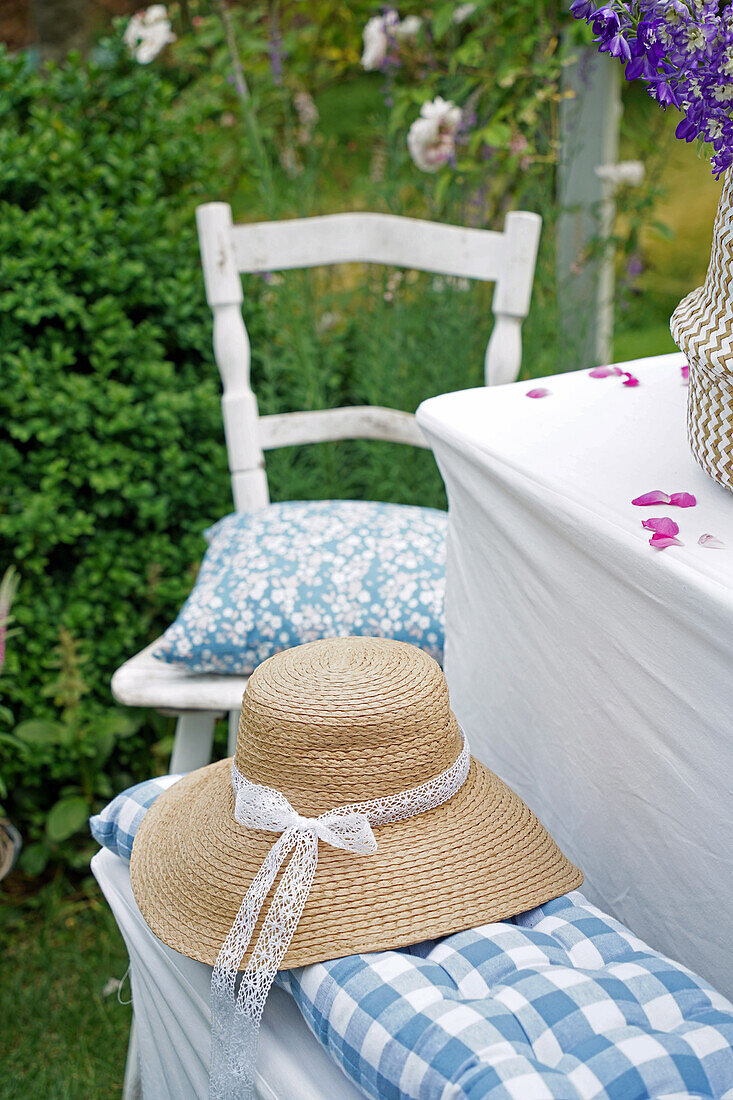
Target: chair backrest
227,250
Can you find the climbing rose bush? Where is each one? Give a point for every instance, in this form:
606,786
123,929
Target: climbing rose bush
432,137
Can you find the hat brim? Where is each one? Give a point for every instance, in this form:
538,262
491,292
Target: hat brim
482,856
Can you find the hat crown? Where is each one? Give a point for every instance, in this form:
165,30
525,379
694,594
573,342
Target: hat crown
344,720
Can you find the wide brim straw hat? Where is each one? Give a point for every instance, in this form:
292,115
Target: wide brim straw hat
326,724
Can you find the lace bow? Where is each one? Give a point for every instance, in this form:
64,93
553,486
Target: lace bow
236,1016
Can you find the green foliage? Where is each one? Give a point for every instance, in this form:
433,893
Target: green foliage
111,442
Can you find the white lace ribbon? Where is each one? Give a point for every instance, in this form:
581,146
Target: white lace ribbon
235,1017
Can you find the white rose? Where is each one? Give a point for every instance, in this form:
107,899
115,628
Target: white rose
376,40
409,27
148,33
463,12
431,138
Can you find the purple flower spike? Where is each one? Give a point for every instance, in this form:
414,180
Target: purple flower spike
682,52
619,47
581,9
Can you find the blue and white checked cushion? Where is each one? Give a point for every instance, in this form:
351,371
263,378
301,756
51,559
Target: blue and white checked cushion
561,1003
116,825
298,571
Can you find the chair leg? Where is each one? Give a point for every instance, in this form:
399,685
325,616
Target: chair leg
132,1088
233,730
193,740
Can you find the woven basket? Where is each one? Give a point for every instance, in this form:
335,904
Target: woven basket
702,327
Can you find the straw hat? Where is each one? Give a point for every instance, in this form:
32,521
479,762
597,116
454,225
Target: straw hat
329,723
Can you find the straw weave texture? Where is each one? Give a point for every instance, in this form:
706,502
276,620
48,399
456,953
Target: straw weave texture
329,723
702,327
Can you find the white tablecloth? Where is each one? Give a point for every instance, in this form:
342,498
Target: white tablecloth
590,671
170,996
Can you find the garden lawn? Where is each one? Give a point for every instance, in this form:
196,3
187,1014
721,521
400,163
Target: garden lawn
58,955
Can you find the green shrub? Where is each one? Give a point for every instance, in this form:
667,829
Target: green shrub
111,445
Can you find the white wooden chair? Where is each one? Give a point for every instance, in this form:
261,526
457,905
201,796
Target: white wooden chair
227,250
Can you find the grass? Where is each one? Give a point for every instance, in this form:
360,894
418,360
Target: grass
63,1037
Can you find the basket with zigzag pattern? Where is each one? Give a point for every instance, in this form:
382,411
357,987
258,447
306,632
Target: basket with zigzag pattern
702,327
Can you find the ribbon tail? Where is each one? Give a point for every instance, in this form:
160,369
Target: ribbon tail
226,968
268,953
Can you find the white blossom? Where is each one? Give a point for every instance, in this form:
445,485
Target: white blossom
378,31
409,27
148,32
463,12
376,39
431,138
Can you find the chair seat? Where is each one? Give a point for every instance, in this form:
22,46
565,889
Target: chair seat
144,681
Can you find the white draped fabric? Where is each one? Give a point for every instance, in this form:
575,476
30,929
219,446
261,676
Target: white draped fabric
592,672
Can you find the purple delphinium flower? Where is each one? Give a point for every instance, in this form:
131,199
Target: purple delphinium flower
683,51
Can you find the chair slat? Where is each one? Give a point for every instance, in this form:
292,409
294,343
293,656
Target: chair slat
328,425
370,238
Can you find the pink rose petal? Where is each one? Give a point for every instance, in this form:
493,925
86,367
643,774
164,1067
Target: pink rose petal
711,542
656,496
540,391
605,372
629,379
660,542
685,370
661,526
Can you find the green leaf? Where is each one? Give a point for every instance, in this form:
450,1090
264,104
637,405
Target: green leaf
442,185
34,858
117,723
66,818
37,731
442,20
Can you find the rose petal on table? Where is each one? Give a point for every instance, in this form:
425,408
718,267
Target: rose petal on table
662,525
629,379
605,372
656,496
685,370
711,542
540,391
660,542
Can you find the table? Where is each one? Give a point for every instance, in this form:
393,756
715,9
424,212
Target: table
171,1002
589,670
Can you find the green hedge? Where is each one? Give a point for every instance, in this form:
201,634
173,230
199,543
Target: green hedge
111,432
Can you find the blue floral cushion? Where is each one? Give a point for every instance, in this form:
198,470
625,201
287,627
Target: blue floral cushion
298,571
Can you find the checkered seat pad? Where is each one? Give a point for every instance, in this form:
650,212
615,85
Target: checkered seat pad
561,1003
